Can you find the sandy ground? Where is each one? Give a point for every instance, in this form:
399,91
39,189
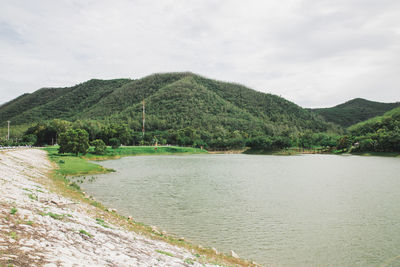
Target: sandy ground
41,228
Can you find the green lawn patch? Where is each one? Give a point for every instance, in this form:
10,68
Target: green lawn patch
72,165
144,150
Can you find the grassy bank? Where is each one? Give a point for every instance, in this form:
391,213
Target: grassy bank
143,150
377,154
70,165
298,151
287,152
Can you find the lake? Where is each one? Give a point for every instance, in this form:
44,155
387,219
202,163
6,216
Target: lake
307,210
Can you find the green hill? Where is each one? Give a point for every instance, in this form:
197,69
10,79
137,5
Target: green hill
390,121
379,134
173,101
61,103
354,111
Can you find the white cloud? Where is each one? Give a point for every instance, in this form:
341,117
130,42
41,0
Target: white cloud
315,53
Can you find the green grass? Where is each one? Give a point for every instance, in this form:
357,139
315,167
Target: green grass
85,233
72,165
377,154
188,261
52,215
102,223
14,235
144,150
165,253
13,210
33,196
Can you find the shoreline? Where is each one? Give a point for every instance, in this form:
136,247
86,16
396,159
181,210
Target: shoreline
46,222
294,152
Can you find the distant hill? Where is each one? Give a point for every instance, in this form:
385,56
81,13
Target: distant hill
379,134
354,111
390,121
173,101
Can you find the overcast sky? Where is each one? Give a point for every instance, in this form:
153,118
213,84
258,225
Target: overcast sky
315,53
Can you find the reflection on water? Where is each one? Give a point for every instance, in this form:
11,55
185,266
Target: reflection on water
300,210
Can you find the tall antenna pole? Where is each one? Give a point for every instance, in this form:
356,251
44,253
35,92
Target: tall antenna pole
144,118
8,133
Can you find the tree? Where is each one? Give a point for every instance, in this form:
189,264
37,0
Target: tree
343,143
260,142
115,143
29,139
74,141
280,142
99,146
42,132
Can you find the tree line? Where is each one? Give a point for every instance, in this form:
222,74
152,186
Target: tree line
380,134
52,132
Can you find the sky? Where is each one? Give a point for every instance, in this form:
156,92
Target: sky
316,53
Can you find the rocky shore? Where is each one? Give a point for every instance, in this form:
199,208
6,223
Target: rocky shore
39,227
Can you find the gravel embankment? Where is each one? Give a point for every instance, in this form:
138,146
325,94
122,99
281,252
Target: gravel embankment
41,228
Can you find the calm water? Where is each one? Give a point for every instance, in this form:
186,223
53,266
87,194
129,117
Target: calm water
319,210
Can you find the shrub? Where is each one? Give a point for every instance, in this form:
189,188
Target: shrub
74,141
99,146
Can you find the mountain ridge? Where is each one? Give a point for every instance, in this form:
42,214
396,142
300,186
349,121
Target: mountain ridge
354,111
230,105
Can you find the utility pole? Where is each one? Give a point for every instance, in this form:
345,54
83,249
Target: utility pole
144,118
8,133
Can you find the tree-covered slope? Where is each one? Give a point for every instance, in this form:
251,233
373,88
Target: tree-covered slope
63,103
27,102
185,103
130,94
179,100
381,133
390,121
354,111
268,107
173,101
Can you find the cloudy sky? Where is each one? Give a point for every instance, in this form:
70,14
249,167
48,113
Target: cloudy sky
316,53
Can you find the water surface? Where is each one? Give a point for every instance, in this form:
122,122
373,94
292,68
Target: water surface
319,210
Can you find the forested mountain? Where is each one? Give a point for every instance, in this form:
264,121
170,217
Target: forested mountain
354,111
173,101
189,110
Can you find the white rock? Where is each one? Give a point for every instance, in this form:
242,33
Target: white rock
215,251
155,230
234,255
